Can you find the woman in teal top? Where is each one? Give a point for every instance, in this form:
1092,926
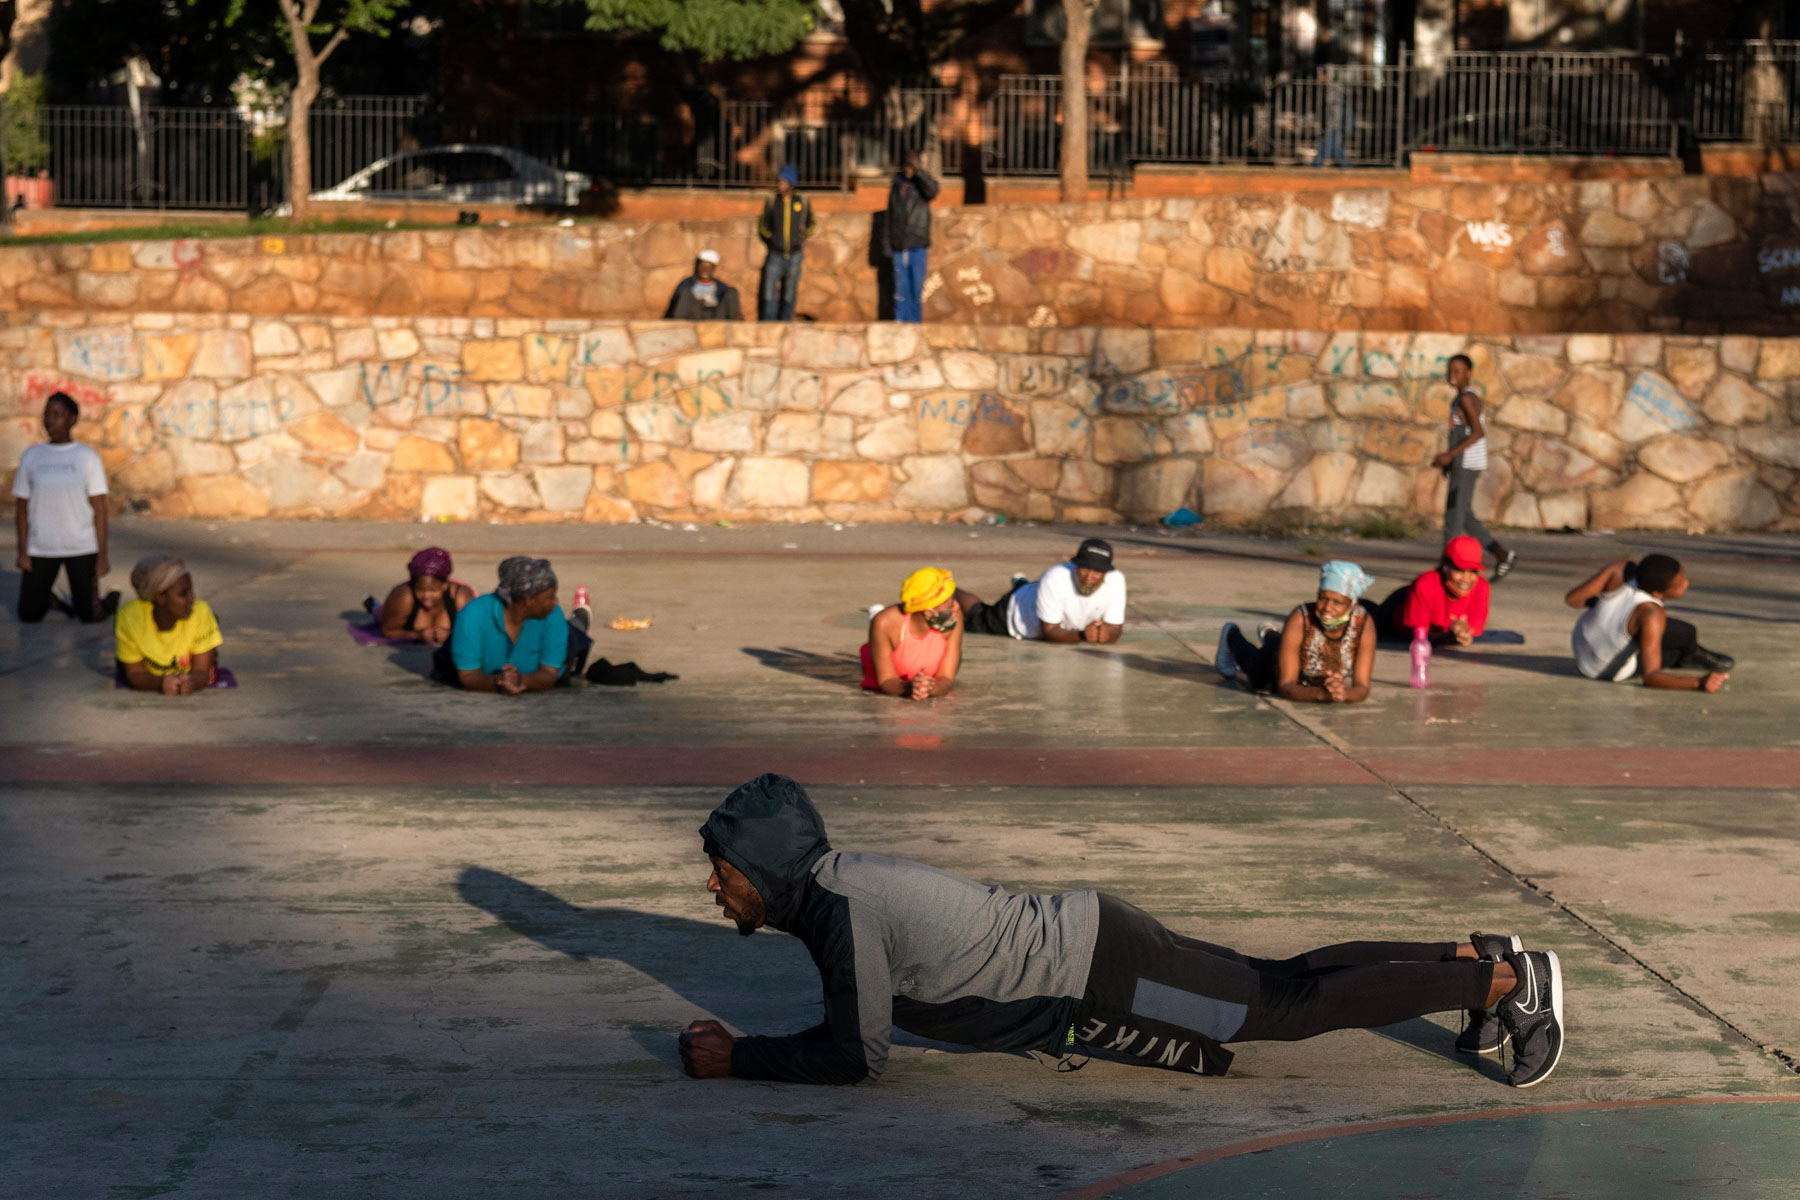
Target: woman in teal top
514,639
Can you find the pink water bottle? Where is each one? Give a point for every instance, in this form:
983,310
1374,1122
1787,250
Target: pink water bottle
1421,658
581,596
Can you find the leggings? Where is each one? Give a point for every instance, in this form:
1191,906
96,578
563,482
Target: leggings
1259,665
1459,514
1171,1000
1679,640
84,594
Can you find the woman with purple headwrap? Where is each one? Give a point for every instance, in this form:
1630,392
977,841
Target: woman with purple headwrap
1325,651
425,606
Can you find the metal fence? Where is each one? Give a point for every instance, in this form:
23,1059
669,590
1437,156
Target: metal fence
1349,115
210,158
743,143
1533,103
1511,103
109,157
1748,92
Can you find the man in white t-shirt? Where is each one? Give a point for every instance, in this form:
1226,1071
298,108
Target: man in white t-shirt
61,519
1082,600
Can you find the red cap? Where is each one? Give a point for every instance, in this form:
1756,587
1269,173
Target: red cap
1464,553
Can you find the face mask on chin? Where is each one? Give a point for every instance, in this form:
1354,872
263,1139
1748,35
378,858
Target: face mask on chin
1334,622
943,622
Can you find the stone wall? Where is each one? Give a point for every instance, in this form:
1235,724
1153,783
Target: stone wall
1692,254
526,420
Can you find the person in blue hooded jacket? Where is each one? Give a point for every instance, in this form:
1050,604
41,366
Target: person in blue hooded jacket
900,944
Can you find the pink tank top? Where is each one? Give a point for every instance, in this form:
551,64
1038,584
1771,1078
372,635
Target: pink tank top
912,656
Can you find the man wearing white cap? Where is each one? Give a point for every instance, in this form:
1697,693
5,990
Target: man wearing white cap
703,296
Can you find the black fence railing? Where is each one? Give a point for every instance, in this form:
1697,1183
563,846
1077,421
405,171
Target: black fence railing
1500,103
96,156
1579,104
743,143
1748,92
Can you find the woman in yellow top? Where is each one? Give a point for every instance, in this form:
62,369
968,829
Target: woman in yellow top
168,641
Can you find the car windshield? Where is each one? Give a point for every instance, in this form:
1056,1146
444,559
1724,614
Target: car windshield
425,170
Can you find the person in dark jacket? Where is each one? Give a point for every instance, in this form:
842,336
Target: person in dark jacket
908,232
703,296
900,944
787,221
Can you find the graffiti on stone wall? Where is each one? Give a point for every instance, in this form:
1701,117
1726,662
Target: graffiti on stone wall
1672,263
99,354
39,387
1653,397
1490,235
227,418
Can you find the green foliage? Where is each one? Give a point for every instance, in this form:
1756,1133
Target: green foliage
26,150
712,29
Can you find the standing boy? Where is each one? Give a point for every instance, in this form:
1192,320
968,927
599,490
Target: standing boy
61,520
1463,463
909,235
787,221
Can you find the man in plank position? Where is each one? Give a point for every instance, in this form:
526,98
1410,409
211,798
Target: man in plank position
902,944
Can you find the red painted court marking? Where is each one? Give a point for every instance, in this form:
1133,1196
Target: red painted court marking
921,763
1590,767
1094,1191
674,766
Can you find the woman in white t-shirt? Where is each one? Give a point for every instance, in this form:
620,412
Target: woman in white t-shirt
61,519
1082,600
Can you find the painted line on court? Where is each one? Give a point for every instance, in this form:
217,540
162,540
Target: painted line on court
924,762
1105,1187
1653,767
677,766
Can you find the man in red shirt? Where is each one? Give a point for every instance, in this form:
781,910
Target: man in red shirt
1450,602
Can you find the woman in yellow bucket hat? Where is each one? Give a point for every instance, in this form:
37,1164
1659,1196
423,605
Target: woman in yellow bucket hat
915,646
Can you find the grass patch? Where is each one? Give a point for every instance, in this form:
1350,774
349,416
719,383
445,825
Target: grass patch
254,227
1290,524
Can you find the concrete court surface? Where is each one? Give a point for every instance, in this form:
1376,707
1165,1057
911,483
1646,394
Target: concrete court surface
343,932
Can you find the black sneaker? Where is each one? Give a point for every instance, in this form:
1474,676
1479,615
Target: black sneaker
1484,1034
1533,1016
1708,660
109,604
1504,567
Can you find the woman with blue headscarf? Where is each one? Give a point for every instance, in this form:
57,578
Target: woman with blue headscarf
1325,651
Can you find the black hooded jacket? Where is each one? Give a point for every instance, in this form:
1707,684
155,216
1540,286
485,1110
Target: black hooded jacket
898,944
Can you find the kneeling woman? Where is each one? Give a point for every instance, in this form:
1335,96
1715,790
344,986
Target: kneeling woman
168,641
1325,651
915,646
425,606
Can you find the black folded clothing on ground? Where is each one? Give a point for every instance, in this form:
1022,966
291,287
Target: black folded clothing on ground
625,674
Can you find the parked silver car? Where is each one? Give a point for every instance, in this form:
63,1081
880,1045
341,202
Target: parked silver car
462,174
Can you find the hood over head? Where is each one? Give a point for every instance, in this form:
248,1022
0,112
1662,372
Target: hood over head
769,830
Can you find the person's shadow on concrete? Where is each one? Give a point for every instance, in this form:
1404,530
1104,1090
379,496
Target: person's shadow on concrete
1191,669
824,668
681,954
1428,1037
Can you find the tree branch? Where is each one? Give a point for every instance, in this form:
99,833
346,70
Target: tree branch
337,39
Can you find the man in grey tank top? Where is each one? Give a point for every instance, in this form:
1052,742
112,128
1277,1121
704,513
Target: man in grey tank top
1463,463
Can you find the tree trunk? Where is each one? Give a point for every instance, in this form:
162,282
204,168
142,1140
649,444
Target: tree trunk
307,61
1076,15
299,141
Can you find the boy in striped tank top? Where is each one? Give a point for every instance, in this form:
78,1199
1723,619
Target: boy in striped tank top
1463,463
